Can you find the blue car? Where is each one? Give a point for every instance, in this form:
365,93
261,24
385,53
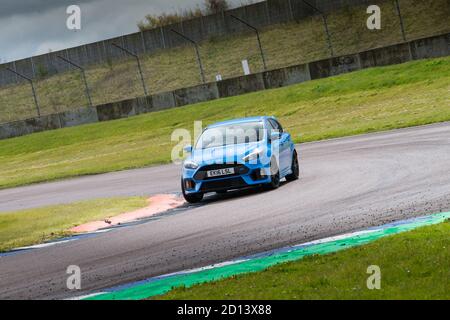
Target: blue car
238,154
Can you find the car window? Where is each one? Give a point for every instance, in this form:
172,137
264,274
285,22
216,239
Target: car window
276,125
230,134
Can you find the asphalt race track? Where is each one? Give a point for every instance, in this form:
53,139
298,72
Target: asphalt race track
346,184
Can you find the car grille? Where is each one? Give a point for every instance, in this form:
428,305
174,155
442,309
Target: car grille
239,169
234,183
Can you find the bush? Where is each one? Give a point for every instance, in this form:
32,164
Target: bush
209,7
164,19
41,71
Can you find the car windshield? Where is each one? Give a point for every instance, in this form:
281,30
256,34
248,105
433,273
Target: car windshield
231,134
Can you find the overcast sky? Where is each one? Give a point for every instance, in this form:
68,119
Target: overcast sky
31,27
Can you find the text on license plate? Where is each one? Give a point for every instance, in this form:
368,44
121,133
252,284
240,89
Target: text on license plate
220,172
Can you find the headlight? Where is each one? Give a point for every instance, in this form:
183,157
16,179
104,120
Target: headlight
190,165
253,155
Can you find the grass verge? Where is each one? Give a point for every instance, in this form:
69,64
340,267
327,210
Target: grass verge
34,226
370,100
414,265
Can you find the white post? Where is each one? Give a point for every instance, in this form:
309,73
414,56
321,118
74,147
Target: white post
246,67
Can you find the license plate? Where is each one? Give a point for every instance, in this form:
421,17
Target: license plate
220,172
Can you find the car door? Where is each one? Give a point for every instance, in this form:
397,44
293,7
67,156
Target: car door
285,150
283,145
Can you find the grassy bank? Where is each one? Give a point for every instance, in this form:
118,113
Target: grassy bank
414,265
34,226
284,45
371,100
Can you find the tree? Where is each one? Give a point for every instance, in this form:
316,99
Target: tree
216,6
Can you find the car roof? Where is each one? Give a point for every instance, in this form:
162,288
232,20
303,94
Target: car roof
239,120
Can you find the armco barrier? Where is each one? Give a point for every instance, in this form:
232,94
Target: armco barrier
437,46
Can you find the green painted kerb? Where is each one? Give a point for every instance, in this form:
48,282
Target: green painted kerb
164,285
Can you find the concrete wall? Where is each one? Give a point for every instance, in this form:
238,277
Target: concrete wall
78,117
259,14
196,94
241,85
70,118
24,127
124,109
424,48
161,101
386,56
286,76
330,67
430,47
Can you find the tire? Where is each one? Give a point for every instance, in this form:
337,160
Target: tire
295,168
192,197
275,178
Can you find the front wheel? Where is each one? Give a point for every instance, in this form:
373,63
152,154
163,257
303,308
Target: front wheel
294,168
191,197
274,175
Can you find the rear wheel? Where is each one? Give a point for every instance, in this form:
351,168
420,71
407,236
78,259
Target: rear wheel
294,168
191,197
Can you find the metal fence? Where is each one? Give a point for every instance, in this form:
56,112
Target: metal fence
126,53
259,15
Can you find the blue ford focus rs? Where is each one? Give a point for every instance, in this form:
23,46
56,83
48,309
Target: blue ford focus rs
238,154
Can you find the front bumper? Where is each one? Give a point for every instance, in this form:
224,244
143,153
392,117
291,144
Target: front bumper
247,175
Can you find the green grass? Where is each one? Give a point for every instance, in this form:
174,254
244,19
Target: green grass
34,226
414,265
410,94
284,45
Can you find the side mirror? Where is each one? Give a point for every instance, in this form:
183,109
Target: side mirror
188,149
274,136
